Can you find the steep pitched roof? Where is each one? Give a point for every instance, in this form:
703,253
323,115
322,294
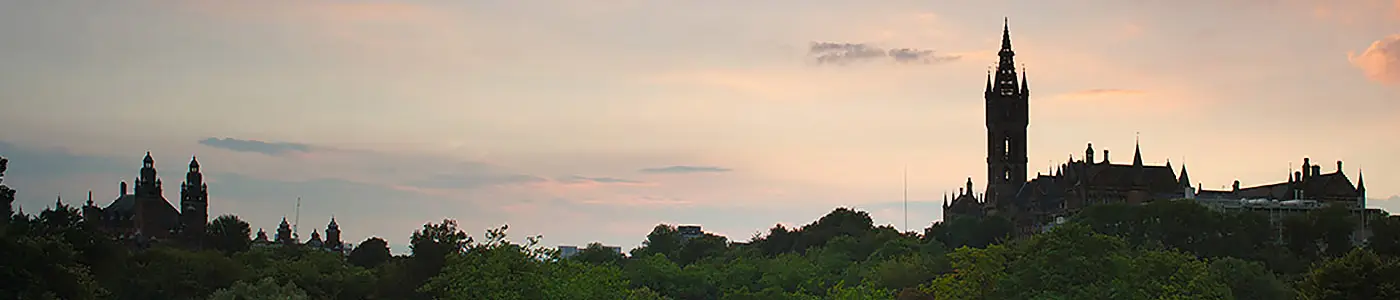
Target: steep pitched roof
1156,178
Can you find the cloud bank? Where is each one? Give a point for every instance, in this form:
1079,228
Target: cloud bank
1381,61
685,170
846,53
256,146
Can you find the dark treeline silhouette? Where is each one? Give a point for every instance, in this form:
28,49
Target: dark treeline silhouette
1161,250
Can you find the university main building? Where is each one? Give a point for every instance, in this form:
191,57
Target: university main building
1035,203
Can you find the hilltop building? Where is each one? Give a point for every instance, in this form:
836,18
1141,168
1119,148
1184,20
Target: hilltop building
688,232
1033,204
570,251
285,237
145,216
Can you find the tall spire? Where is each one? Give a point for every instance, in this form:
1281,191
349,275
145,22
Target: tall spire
1360,182
1025,87
989,80
1137,153
1005,34
1006,79
1184,179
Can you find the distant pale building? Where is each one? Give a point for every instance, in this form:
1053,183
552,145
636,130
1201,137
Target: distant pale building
690,231
570,251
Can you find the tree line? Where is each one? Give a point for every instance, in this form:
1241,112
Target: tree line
1161,250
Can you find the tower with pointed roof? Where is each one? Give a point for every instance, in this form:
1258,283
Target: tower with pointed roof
194,204
333,242
148,184
1007,115
284,233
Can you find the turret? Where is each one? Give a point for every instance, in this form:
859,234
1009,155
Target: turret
1089,154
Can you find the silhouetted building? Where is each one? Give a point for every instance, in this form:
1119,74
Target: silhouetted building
1033,204
690,231
286,237
261,238
333,242
570,251
284,234
145,215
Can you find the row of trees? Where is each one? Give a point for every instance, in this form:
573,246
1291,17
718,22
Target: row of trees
1166,249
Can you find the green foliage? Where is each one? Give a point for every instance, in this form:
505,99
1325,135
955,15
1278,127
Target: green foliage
597,254
169,273
1073,262
321,274
262,289
38,267
371,253
1162,250
229,234
1360,274
1249,280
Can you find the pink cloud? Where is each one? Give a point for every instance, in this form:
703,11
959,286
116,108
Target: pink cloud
640,201
1381,61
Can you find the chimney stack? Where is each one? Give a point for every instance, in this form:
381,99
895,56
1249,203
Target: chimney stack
1105,156
1316,170
1307,168
123,190
1236,187
1339,166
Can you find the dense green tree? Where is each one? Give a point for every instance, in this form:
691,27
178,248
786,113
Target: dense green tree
431,247
597,254
321,274
170,273
976,232
370,253
1249,280
1073,262
1385,236
263,289
39,267
229,234
663,239
1360,274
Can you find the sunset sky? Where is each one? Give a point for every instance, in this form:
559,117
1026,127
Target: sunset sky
595,120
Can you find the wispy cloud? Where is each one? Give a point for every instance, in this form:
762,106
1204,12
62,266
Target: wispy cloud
578,179
846,53
1381,61
256,146
684,170
471,179
639,201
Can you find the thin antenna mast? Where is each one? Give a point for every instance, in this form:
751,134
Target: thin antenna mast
296,220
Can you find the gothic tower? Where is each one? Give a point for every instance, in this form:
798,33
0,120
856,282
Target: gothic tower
148,185
194,203
284,233
1008,115
333,236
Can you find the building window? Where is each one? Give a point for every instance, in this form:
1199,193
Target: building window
1006,147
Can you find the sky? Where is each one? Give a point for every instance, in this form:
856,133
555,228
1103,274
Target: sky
586,121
